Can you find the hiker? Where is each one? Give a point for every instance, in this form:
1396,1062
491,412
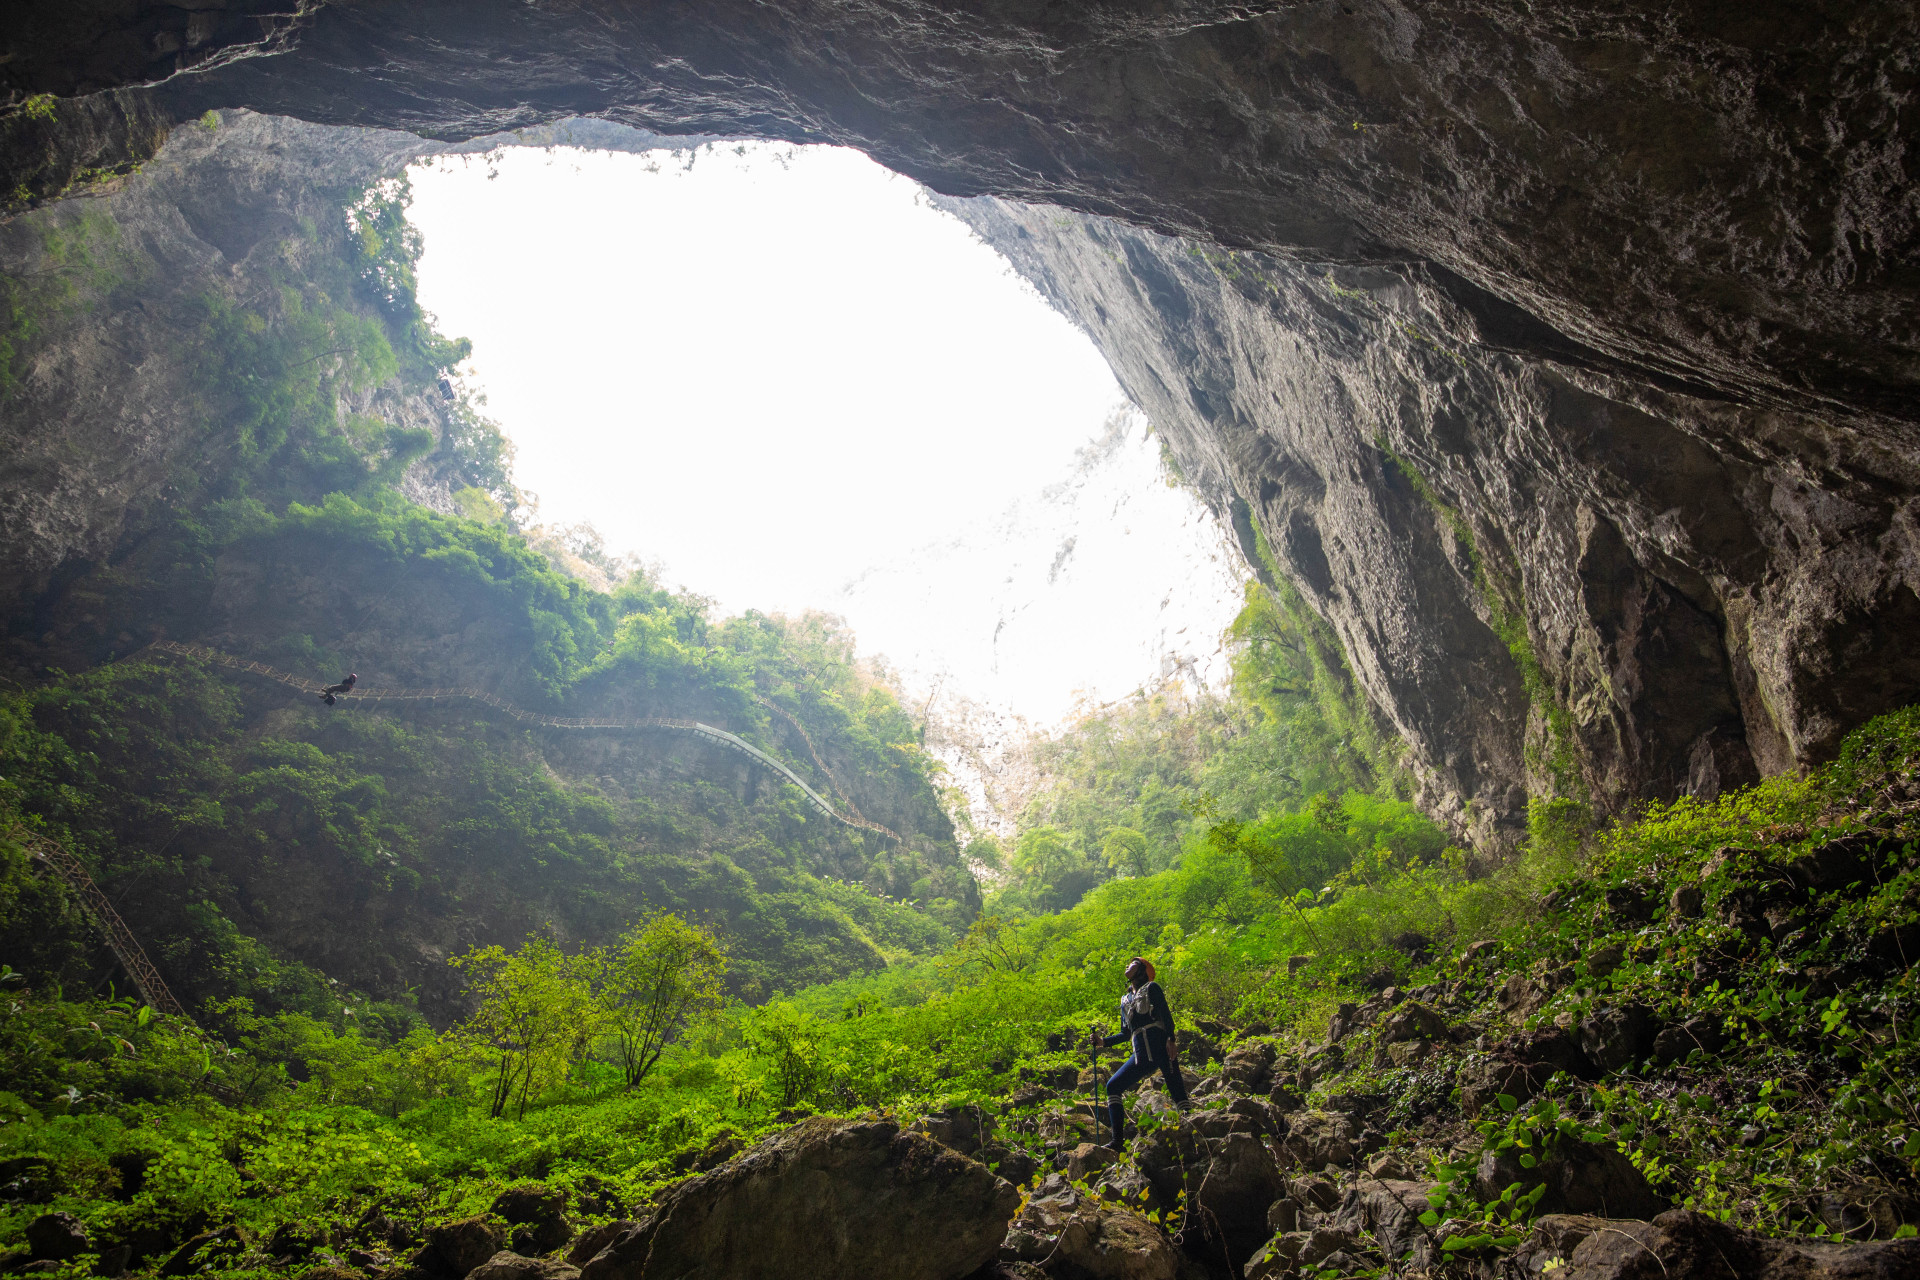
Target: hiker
345,686
1145,1020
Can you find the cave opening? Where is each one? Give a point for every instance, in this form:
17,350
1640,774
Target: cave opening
787,379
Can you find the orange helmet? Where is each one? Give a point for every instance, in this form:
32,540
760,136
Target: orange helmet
1139,970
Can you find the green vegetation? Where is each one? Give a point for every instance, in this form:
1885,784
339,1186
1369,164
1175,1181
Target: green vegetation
1811,1091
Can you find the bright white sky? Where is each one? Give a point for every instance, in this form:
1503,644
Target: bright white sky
774,371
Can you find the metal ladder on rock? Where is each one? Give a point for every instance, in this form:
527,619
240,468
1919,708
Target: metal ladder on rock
54,856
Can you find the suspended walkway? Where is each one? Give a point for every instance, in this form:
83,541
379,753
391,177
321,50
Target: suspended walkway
404,694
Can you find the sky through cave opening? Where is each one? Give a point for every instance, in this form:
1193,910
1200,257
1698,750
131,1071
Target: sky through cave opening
789,380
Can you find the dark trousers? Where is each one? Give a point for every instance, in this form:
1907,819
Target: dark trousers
1138,1068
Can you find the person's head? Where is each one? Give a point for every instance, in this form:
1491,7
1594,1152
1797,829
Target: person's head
1139,971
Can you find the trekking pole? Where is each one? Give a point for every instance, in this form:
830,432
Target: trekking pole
1093,1085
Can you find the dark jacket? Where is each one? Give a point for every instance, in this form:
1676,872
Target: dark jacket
1136,1022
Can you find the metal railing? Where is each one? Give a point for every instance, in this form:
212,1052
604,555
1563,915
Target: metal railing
120,940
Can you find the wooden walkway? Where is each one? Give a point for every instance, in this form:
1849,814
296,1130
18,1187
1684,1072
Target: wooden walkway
363,695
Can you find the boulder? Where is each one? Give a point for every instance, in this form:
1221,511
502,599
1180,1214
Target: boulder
1356,1105
1554,1236
1412,1021
537,1217
1014,1164
1196,1047
1126,1184
57,1237
1602,961
1406,1053
1326,1060
1230,1205
722,1148
1617,1037
1678,1043
1031,1095
1388,1210
219,1250
1682,1243
1628,904
1295,1252
596,1239
1835,864
1686,903
1341,1024
826,1197
456,1248
295,1240
1581,1177
1479,952
514,1266
1249,1068
1521,996
1316,1139
1416,945
1315,1193
1172,1159
1867,1210
965,1129
1088,1159
1079,1238
1520,1066
1391,1166
1215,1125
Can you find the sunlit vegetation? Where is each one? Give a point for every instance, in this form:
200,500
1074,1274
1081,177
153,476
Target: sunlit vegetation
303,1117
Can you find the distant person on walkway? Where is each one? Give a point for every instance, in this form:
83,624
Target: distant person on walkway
1147,1022
327,695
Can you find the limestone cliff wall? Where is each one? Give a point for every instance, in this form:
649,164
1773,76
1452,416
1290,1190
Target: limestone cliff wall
1717,195
104,413
1548,578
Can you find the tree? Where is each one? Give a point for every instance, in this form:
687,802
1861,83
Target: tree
663,973
535,1012
990,946
1060,874
1126,851
790,1042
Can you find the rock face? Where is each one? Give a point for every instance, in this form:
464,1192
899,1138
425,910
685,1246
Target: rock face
1080,1238
1707,197
1581,1178
1551,579
826,1197
1683,1243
